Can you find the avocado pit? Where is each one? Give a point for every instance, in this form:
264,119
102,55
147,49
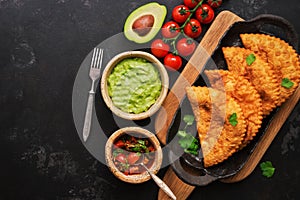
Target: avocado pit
143,25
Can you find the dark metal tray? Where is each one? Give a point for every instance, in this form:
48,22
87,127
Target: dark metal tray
189,167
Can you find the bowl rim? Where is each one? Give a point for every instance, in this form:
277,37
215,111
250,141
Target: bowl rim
163,76
136,178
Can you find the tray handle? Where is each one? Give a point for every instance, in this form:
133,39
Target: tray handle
285,25
194,179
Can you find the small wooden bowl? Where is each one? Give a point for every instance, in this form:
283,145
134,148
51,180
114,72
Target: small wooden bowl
163,76
136,178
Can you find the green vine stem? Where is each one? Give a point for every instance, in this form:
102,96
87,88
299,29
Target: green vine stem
173,40
189,18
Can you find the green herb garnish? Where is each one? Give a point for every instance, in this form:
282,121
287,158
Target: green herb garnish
267,169
188,142
189,119
142,142
287,83
233,119
117,152
138,147
250,59
125,165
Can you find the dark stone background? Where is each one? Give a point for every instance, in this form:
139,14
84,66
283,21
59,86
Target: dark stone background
42,44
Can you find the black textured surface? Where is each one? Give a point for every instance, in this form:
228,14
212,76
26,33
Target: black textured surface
42,44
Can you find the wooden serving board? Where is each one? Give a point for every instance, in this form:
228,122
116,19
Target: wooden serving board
188,76
191,72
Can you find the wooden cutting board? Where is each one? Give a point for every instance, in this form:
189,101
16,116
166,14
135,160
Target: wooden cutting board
191,72
188,76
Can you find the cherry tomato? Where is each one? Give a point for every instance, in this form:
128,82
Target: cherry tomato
170,29
205,14
119,144
214,3
191,3
185,47
151,148
132,158
180,13
172,62
126,172
121,158
193,28
159,48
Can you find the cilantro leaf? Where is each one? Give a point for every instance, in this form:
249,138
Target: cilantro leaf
189,144
182,133
267,169
250,59
117,152
191,152
186,141
142,142
189,119
287,83
233,119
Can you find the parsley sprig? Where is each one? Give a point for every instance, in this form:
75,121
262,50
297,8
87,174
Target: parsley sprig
233,119
188,142
250,59
287,83
267,169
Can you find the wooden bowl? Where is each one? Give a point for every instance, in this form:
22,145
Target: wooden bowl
163,76
137,131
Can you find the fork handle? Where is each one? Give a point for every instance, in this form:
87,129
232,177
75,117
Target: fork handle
88,116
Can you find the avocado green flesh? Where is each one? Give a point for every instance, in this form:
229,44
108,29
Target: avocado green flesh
134,85
159,13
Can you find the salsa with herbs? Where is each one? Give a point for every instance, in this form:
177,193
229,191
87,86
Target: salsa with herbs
127,151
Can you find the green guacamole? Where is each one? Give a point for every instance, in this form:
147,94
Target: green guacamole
134,85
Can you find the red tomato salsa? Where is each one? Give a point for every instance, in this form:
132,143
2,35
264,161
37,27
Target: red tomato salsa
127,150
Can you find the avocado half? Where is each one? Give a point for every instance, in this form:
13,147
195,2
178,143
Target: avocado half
155,11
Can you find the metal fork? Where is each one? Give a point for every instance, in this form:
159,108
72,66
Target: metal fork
94,75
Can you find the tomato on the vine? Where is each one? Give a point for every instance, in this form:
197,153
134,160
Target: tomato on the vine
172,61
185,46
170,29
180,13
159,48
205,14
191,3
214,3
193,28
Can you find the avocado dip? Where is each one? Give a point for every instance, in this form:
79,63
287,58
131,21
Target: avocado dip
134,85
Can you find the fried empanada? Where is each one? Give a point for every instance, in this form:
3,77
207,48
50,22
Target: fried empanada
246,63
282,58
244,93
219,138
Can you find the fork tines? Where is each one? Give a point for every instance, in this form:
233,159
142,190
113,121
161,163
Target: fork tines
97,58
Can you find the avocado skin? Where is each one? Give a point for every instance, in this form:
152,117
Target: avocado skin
159,13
